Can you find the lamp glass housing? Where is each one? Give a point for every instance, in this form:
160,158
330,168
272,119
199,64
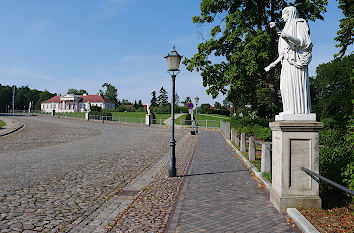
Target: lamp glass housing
173,60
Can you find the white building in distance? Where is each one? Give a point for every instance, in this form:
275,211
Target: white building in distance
75,103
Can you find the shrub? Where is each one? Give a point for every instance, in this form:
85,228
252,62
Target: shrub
336,163
257,127
188,120
95,110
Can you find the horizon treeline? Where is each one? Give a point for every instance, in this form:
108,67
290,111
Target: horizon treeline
23,96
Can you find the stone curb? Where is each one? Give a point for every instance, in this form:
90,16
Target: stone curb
302,223
18,126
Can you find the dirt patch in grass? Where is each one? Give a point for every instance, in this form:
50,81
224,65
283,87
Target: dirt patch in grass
332,220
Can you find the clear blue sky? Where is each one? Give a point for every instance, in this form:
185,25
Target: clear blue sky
57,45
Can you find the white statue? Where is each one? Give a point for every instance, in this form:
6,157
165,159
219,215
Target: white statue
148,108
294,49
88,106
30,107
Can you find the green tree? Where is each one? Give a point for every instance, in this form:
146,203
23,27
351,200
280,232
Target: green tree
44,95
162,99
126,102
5,97
110,93
345,33
135,105
140,104
241,36
186,101
153,100
205,108
332,90
72,91
217,105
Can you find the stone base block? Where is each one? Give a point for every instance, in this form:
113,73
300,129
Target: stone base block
281,203
148,119
87,116
295,117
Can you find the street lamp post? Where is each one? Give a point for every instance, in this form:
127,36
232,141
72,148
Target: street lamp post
196,99
102,113
173,60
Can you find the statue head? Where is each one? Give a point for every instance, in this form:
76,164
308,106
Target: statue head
289,13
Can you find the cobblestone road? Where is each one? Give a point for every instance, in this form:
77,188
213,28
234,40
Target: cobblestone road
219,194
57,171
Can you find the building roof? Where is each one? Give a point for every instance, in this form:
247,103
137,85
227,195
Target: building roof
84,99
54,99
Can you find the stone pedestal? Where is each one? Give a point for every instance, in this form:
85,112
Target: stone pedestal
87,115
295,145
148,119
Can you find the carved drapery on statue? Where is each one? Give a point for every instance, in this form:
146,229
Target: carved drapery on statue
294,50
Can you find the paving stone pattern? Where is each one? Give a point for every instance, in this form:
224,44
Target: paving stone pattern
54,188
150,210
221,196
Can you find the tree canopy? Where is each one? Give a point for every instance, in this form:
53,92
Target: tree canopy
186,101
74,91
153,99
110,93
332,92
162,99
242,38
23,96
345,33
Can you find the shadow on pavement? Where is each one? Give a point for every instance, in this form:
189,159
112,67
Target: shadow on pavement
213,173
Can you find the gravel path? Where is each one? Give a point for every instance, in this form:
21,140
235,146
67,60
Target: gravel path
55,172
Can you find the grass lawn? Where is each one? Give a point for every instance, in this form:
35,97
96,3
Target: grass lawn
204,120
129,114
2,123
71,114
215,117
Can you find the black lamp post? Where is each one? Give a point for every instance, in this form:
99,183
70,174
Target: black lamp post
196,99
173,60
102,113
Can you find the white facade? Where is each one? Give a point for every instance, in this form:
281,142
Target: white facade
75,103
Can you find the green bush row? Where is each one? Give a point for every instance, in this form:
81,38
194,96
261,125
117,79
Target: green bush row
257,127
337,161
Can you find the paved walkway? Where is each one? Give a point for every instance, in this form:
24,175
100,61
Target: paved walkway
168,120
219,195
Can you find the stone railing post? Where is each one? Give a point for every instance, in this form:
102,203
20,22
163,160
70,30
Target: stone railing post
232,135
266,159
251,149
243,142
227,130
237,138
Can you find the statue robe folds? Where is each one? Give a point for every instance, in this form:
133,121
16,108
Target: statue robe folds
294,80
